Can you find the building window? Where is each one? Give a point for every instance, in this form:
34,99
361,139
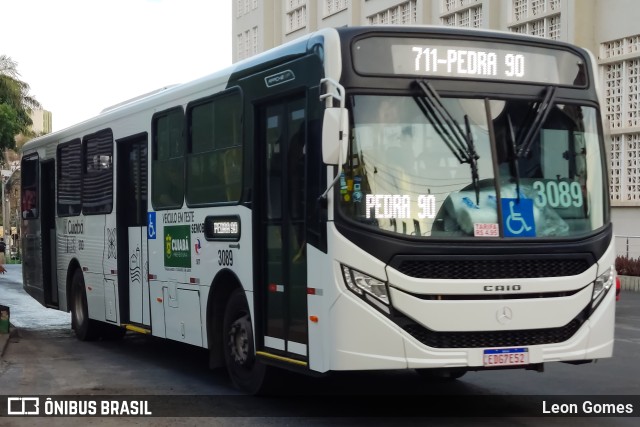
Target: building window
520,9
620,71
463,19
521,29
334,6
613,86
624,182
477,17
254,41
403,13
538,7
536,17
247,43
553,29
449,5
536,28
239,8
462,13
296,15
245,6
240,46
449,20
383,17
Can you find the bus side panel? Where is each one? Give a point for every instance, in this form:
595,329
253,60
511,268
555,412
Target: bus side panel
320,279
68,237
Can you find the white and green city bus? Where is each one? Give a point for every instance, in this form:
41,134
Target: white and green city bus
361,198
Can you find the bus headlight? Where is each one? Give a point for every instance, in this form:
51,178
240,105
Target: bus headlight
369,288
601,286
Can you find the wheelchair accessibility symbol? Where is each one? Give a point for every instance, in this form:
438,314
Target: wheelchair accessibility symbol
151,225
518,218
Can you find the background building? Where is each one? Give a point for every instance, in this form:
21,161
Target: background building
41,121
608,28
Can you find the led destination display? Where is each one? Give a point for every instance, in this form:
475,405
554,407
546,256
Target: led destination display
427,57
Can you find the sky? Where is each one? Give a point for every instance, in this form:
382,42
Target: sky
81,56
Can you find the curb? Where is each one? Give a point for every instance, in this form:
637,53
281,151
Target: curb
4,340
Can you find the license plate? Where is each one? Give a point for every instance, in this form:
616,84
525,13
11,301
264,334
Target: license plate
506,356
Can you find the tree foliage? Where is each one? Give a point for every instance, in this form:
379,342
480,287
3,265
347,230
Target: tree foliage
9,126
15,104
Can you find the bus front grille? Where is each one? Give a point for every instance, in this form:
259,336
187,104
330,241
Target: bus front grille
483,268
490,339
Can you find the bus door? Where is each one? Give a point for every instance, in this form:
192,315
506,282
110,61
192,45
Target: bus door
48,232
131,226
283,282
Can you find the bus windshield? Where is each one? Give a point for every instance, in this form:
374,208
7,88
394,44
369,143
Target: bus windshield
408,173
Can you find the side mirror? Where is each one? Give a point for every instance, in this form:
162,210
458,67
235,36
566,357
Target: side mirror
335,135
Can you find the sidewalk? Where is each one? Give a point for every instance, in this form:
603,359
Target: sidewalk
26,312
12,274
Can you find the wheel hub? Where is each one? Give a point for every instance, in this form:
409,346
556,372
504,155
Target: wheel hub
239,340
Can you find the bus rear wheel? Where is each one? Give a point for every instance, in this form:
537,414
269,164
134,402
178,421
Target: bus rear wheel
247,373
85,328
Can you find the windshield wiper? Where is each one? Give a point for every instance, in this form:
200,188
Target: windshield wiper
541,110
513,157
460,143
519,146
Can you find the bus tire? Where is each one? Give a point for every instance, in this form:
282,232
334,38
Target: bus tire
247,373
85,328
443,374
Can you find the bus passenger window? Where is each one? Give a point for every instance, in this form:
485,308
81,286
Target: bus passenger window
214,138
69,175
167,168
29,186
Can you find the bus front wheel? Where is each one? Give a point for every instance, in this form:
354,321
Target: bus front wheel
85,328
246,372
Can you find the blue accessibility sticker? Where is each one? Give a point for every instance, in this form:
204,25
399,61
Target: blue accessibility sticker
151,225
517,218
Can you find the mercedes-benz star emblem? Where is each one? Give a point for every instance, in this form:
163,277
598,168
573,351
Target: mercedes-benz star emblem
504,315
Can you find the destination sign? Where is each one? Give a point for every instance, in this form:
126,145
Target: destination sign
470,59
222,228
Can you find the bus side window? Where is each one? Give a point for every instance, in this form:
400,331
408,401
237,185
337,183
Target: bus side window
69,175
29,196
232,165
214,138
167,167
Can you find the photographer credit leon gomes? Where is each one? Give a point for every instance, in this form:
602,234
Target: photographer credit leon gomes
620,406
